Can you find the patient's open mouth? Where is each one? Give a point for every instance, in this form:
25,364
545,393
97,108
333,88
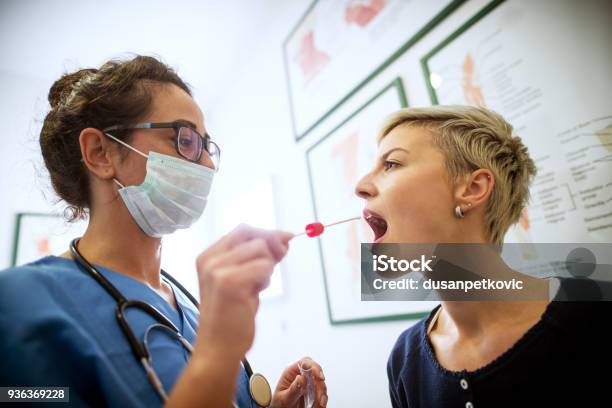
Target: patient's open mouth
377,223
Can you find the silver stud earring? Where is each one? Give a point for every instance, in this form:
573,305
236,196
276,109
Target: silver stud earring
458,212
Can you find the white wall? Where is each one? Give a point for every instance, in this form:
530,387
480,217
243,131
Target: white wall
21,187
247,110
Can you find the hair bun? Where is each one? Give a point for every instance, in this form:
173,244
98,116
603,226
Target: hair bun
63,87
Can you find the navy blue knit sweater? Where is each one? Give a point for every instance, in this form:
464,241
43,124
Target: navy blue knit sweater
563,360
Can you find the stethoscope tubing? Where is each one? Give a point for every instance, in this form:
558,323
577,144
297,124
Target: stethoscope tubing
139,351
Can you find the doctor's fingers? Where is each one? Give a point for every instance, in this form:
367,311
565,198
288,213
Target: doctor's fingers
278,241
250,277
244,252
316,367
319,383
210,260
292,395
320,393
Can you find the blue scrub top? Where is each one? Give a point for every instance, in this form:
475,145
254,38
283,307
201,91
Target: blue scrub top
58,328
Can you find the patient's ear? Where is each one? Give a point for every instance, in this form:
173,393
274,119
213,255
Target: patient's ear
475,191
96,153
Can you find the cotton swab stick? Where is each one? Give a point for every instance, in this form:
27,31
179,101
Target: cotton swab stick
315,229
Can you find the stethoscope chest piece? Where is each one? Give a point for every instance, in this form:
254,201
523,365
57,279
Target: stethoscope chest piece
260,390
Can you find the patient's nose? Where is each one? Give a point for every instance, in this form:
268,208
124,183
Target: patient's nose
365,188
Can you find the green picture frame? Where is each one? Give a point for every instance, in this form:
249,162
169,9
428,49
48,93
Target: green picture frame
427,27
394,86
49,232
500,59
466,26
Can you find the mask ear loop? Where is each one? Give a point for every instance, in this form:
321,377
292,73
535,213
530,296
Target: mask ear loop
129,147
146,156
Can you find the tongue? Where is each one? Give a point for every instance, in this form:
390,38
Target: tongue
380,227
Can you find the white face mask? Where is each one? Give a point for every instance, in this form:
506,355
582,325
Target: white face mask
172,196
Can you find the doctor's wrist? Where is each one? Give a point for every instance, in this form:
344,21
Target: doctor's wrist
209,379
215,349
212,363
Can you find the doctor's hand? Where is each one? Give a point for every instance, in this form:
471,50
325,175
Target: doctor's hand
291,387
231,274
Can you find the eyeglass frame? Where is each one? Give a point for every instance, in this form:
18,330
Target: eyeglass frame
206,140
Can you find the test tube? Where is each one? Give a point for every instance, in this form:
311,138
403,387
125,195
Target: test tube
306,371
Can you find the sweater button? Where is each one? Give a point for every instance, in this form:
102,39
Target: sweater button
469,405
464,383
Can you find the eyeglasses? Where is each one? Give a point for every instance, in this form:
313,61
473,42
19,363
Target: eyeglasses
187,141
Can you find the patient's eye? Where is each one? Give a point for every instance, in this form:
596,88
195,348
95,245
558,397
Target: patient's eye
388,165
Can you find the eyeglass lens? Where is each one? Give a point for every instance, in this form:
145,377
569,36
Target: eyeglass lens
190,145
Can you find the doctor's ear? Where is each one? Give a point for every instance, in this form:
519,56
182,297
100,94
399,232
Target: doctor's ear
98,153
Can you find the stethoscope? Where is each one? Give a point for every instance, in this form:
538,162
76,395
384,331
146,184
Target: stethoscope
259,388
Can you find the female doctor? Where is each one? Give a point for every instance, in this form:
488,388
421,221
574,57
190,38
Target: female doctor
126,146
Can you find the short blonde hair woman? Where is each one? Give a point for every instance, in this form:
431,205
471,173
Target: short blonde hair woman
459,174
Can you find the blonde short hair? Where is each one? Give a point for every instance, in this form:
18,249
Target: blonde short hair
472,138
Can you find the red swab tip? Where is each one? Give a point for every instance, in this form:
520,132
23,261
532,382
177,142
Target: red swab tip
314,229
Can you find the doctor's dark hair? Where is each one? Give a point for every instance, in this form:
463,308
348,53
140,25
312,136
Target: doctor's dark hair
117,93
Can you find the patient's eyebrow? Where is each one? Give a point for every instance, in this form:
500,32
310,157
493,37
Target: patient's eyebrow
386,154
